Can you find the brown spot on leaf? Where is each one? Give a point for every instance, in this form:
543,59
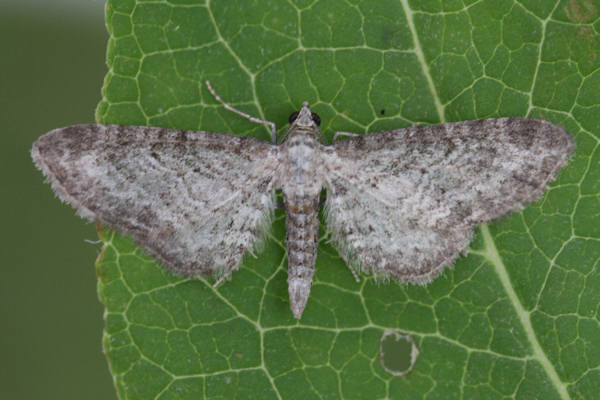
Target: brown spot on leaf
587,35
581,11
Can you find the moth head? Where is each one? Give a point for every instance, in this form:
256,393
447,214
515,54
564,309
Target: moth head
304,122
304,118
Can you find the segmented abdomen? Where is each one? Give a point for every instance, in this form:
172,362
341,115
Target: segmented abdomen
302,228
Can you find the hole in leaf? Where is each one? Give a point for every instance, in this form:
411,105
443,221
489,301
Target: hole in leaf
397,353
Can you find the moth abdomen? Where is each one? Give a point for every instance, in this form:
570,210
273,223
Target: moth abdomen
302,230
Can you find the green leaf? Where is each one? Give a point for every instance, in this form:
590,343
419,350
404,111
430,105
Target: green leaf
516,318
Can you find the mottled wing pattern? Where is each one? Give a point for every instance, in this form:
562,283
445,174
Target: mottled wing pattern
402,203
195,200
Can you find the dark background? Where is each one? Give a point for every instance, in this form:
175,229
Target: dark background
52,63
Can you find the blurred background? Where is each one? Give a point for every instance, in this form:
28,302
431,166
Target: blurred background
52,63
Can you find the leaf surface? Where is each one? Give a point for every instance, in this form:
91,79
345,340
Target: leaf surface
516,318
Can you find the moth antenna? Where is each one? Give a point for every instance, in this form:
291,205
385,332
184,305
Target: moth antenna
347,134
243,114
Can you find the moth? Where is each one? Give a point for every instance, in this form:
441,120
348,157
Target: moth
401,204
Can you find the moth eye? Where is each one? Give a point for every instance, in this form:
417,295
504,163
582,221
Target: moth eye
293,116
316,119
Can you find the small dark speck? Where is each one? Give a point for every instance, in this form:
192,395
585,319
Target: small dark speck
382,112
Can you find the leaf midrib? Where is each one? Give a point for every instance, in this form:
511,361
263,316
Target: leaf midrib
490,252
